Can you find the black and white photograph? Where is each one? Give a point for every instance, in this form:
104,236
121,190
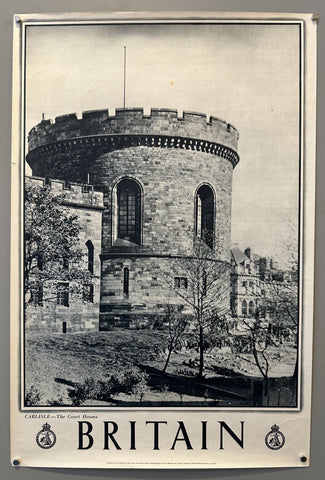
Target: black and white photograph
162,233
162,237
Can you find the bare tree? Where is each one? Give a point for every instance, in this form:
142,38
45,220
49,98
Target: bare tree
177,323
202,282
275,319
277,310
260,339
281,299
281,305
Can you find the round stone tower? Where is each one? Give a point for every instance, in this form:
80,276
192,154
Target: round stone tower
165,179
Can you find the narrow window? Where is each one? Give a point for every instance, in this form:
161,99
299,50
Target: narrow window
251,307
36,295
62,297
129,211
205,214
88,293
126,279
180,282
64,327
244,308
90,248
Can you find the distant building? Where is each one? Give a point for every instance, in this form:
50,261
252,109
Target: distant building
255,281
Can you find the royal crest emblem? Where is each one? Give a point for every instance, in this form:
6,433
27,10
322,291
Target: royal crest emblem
46,438
275,439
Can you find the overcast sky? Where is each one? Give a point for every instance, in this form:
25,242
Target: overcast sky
246,74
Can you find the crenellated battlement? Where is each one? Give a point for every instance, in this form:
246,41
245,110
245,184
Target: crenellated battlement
74,193
163,122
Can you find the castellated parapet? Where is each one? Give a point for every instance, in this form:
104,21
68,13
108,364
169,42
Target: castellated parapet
78,195
165,179
161,122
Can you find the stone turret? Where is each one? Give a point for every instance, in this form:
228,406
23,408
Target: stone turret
162,177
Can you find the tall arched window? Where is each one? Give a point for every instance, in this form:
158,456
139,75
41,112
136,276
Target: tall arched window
90,248
205,214
251,307
244,308
129,211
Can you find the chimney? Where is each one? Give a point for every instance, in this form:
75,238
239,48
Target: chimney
248,252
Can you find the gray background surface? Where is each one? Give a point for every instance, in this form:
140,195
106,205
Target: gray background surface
7,9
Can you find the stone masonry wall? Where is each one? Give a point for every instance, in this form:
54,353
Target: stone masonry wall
170,179
151,287
79,315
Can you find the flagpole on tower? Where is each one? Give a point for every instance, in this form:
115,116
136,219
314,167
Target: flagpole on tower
124,77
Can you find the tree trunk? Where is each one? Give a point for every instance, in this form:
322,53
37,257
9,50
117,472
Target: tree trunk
266,386
201,360
167,360
294,381
295,373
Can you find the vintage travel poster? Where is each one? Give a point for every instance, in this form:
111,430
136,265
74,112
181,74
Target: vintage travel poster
163,171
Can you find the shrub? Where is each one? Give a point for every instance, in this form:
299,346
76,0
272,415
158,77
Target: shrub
131,381
56,403
32,397
128,381
83,391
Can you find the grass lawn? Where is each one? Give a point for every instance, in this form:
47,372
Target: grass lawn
55,363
